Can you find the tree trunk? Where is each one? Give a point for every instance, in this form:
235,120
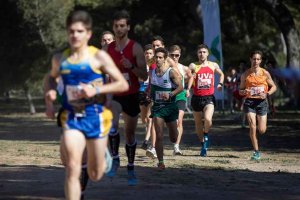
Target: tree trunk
29,99
287,26
6,97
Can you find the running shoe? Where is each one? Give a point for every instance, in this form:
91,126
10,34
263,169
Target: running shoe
255,155
114,167
132,181
151,153
206,142
108,160
161,166
203,152
177,151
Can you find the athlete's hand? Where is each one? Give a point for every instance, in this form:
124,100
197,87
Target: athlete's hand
50,95
219,87
187,94
166,96
87,90
263,95
244,92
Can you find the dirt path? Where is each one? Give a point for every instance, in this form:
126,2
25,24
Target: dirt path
30,166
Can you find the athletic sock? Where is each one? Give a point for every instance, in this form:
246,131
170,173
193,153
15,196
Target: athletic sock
130,152
114,141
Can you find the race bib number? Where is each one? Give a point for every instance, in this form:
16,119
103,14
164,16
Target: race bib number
73,92
127,78
204,83
160,96
256,91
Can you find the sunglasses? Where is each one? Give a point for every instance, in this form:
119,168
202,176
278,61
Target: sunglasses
174,55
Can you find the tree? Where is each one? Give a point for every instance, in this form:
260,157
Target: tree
285,21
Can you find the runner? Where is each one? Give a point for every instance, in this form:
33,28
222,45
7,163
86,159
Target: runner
158,42
106,38
256,85
145,103
203,100
87,122
129,58
165,85
181,98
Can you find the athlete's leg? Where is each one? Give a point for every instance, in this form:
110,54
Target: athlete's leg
148,122
198,124
72,145
130,124
159,125
173,131
114,136
153,134
130,147
84,177
208,114
179,126
96,157
251,117
63,152
262,123
143,113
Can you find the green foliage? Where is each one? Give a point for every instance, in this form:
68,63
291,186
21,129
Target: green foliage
35,28
48,19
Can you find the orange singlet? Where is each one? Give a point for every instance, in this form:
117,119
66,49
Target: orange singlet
256,83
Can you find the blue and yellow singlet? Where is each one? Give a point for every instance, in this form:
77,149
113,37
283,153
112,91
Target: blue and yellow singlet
80,72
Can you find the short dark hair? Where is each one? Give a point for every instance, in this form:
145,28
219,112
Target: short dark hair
256,52
162,50
158,37
122,14
147,47
80,16
202,46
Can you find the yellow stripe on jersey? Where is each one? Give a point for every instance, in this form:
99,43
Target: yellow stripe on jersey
93,50
105,119
63,118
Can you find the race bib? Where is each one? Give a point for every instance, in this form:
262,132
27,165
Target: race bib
204,83
159,96
255,91
73,92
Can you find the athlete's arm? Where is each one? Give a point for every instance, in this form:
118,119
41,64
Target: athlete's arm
106,65
189,77
221,76
176,80
50,85
243,90
141,69
270,84
192,69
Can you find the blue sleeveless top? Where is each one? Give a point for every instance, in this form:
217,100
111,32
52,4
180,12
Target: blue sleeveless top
81,72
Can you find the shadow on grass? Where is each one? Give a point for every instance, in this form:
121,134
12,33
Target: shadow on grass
186,182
